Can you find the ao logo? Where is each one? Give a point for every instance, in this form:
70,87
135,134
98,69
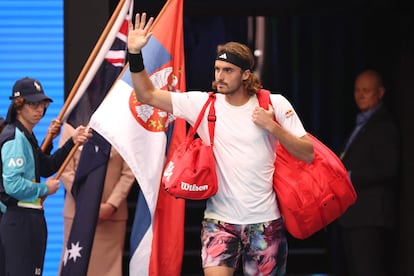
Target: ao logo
18,162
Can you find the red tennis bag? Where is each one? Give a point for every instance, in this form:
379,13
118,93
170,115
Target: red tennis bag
191,171
310,196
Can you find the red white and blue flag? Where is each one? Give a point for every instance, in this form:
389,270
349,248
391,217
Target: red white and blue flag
144,136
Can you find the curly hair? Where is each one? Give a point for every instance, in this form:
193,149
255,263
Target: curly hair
253,83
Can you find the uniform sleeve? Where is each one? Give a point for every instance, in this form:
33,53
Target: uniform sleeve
68,173
16,165
3,208
50,164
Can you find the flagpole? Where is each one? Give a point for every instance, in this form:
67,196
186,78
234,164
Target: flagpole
85,69
66,162
69,157
160,13
73,91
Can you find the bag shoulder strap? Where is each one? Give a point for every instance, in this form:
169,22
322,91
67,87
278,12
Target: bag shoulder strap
263,96
211,118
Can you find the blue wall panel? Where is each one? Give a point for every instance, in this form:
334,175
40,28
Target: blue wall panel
31,44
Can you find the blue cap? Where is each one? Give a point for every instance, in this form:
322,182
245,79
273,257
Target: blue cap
30,89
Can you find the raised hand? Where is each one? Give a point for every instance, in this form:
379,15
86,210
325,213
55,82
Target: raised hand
139,35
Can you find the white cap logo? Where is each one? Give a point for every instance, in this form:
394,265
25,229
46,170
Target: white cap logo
37,86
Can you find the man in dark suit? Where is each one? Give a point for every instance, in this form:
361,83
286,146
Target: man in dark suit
371,157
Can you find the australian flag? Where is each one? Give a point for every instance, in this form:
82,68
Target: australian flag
102,81
87,189
90,174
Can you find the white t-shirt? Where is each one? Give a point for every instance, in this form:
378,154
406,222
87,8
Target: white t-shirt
244,153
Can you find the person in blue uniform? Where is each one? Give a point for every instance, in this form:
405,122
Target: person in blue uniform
2,208
23,230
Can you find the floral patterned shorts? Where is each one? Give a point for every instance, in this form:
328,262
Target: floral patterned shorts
262,246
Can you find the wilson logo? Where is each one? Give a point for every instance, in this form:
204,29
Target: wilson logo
193,187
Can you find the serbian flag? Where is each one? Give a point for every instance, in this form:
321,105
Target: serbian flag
144,136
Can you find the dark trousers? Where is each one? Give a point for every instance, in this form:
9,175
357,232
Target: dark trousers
23,236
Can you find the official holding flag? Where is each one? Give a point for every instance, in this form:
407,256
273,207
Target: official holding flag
23,229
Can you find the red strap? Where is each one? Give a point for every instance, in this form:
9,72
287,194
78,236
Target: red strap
263,96
211,118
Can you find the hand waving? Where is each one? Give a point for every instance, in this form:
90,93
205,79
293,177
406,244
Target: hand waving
139,34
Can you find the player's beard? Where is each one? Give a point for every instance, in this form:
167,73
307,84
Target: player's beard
223,88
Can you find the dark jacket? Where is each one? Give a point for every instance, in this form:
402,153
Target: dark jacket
373,160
